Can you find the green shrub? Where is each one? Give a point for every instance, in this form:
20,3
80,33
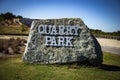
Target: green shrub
23,28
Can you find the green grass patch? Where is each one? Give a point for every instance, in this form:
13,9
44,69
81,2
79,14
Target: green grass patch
15,69
13,31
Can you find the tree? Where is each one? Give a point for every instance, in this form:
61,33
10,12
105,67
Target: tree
9,15
2,17
19,17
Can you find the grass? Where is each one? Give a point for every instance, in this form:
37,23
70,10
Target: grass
13,31
15,69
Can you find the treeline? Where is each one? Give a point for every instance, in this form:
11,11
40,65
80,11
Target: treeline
9,16
100,32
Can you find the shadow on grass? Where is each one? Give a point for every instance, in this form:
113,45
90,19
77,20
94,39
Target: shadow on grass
86,64
107,67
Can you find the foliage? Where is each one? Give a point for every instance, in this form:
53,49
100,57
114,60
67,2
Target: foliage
19,16
8,16
100,32
15,69
1,17
23,28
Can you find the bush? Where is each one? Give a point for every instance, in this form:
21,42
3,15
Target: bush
11,46
23,28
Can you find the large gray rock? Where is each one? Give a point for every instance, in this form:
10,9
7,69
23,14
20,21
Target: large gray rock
78,45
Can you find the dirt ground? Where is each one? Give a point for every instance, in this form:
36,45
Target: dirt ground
109,42
110,45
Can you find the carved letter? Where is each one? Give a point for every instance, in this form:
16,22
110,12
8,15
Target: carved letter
76,28
47,29
54,31
61,41
53,42
61,30
68,30
68,41
48,40
41,29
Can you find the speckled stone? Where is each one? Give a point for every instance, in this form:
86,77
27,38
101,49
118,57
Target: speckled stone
86,47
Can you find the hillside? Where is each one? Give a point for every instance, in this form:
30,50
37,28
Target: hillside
9,22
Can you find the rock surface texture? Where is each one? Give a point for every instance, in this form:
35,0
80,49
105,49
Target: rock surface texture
68,44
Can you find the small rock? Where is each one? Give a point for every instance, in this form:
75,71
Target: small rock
1,55
10,50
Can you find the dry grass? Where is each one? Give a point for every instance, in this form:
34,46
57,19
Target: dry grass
13,30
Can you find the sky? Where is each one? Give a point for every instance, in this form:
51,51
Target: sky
96,14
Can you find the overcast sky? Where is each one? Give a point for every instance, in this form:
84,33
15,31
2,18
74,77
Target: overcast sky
97,14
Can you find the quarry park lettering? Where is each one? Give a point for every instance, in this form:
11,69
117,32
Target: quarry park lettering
58,35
